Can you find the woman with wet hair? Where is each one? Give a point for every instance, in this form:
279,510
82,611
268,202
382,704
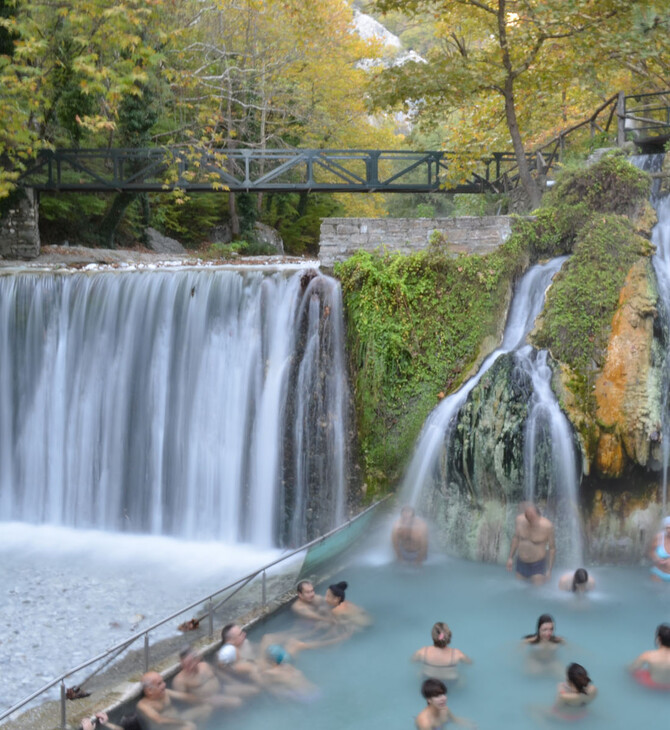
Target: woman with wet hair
543,644
345,611
578,582
574,693
440,660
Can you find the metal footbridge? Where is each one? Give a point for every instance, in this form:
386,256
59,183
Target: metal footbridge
644,118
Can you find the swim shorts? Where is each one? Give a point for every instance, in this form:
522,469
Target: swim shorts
660,574
643,677
528,570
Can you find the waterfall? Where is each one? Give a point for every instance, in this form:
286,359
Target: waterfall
548,432
204,404
526,305
549,449
660,237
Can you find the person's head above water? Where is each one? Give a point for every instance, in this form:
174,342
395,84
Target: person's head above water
306,591
663,635
544,631
580,580
441,635
407,514
578,677
233,634
335,593
531,512
433,688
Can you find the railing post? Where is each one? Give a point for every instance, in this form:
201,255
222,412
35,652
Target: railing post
210,613
146,652
63,712
264,595
372,168
621,119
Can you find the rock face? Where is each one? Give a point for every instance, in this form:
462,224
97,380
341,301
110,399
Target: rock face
480,478
269,236
628,389
162,244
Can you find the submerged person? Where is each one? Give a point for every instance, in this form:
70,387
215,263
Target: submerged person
660,553
199,679
236,658
282,679
652,668
345,611
543,645
440,660
157,709
410,537
578,582
574,694
534,545
308,605
436,714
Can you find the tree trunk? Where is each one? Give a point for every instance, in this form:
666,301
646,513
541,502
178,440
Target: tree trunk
529,185
113,218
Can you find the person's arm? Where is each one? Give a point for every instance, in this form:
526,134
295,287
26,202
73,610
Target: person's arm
146,709
512,551
103,721
461,657
423,543
639,662
459,720
552,549
187,697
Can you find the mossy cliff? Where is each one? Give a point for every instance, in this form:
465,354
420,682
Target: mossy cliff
417,325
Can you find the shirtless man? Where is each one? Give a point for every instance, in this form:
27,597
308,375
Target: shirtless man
198,678
310,606
533,539
236,659
157,710
410,537
656,661
436,715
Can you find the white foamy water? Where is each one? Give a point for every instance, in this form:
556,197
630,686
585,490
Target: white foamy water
67,595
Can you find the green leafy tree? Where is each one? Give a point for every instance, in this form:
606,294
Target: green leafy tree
501,68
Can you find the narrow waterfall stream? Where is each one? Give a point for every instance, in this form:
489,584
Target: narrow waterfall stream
660,237
202,404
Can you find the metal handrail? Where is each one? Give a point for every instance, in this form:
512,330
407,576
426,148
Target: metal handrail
145,632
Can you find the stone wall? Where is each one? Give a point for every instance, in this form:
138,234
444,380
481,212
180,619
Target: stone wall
19,233
342,237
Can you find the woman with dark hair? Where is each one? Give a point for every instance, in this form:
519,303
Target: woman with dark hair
343,610
437,714
440,660
578,582
543,643
574,693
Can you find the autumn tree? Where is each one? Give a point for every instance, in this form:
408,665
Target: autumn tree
498,65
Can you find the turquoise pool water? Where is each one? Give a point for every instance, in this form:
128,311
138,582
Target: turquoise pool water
370,682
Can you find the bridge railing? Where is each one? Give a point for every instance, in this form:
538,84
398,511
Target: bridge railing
647,114
249,170
257,591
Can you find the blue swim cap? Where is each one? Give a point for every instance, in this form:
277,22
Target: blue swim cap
277,653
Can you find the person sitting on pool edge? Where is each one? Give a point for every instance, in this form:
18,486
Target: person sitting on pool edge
409,537
652,668
578,582
436,715
534,544
440,660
